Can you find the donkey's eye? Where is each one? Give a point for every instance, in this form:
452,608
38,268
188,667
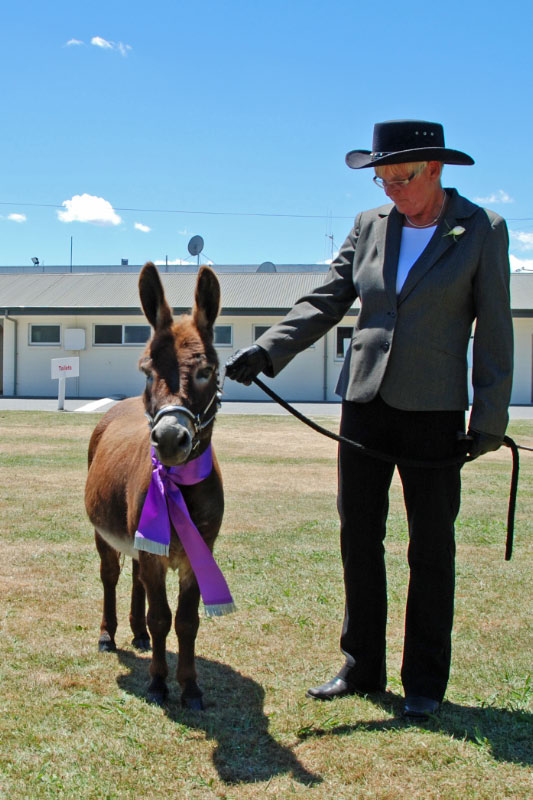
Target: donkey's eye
149,379
204,373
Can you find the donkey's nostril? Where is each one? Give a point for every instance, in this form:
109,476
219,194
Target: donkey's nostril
172,441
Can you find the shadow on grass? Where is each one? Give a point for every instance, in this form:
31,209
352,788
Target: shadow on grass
507,733
233,717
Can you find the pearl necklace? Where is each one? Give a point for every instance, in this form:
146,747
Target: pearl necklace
433,221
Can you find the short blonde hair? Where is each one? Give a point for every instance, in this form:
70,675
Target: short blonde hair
393,170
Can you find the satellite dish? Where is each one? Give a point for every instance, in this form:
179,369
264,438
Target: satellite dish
195,246
267,266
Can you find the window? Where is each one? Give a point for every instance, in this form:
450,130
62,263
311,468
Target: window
344,337
223,335
259,330
121,334
45,334
136,334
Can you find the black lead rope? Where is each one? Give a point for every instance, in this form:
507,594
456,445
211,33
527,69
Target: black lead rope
409,462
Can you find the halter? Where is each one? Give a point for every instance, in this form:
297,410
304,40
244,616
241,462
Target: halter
198,420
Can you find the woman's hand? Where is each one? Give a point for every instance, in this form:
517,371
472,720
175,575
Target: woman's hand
245,365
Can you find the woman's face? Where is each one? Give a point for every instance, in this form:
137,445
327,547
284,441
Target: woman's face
416,196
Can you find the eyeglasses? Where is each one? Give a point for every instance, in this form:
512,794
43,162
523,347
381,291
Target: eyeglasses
383,184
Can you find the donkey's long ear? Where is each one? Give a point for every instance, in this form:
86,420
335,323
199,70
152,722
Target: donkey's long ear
152,296
207,299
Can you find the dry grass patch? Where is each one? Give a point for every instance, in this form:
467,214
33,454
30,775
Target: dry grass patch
74,723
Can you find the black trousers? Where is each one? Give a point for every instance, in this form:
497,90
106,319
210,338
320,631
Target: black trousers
432,499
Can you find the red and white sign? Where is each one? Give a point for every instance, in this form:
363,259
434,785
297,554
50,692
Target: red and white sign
65,367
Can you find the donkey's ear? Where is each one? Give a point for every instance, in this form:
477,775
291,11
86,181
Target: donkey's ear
207,298
155,307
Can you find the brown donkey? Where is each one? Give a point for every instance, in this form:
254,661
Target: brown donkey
126,455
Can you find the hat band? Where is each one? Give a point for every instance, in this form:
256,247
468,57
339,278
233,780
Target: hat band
374,156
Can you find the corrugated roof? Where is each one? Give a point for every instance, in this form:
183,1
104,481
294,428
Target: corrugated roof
239,290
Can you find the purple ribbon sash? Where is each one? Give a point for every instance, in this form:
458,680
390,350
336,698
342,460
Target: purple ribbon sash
165,503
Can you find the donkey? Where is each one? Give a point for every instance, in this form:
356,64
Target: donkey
180,400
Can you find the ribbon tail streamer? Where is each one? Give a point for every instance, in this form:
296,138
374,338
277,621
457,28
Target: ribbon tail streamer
153,533
215,592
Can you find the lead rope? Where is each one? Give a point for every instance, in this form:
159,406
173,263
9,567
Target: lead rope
409,462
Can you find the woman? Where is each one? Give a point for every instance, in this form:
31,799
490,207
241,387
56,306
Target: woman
424,269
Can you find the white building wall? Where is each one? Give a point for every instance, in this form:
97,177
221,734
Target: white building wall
9,356
104,369
306,378
113,369
110,369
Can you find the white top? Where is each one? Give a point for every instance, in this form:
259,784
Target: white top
414,242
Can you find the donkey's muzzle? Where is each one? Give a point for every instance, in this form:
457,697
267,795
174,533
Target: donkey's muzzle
172,439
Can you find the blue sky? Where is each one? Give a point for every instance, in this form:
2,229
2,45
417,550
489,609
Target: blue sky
116,114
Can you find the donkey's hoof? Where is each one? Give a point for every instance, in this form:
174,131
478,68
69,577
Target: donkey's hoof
142,643
106,644
191,697
157,693
192,703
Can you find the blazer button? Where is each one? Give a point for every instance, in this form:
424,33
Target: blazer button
385,346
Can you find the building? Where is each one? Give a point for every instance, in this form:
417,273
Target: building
95,314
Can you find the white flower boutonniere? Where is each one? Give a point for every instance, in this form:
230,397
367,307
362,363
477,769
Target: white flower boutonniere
455,232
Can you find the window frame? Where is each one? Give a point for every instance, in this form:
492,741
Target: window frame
122,326
33,325
223,344
341,357
255,334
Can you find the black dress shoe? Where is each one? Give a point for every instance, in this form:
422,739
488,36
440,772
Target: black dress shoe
417,707
338,687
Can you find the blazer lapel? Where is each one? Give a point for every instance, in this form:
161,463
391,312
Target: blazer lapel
438,244
389,238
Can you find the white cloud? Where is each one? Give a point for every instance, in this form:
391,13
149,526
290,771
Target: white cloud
521,264
17,217
140,227
88,208
106,44
73,42
524,239
103,43
329,260
496,197
177,262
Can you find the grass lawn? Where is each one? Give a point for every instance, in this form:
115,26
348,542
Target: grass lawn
74,723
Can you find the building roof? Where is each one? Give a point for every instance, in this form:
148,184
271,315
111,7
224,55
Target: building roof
118,292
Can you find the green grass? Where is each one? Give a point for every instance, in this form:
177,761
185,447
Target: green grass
74,723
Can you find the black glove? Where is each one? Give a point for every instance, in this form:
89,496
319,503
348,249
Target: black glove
482,443
246,364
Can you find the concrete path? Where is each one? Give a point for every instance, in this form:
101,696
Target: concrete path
100,406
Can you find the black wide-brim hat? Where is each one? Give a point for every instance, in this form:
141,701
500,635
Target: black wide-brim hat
398,141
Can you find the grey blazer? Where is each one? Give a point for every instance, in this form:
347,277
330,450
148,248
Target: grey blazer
412,347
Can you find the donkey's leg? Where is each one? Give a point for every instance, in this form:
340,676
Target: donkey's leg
187,622
109,574
152,572
141,638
